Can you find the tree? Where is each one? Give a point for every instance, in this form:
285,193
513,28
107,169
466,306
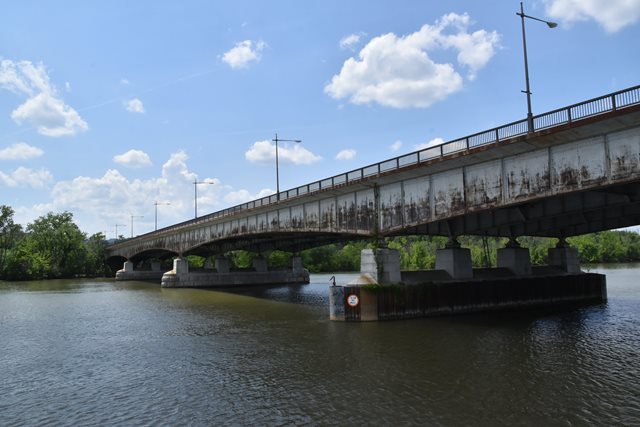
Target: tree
59,241
10,233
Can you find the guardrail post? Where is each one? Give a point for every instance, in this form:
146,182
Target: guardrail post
497,136
613,102
569,114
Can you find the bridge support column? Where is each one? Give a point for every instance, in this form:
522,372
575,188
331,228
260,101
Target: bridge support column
382,264
155,265
222,265
180,267
454,260
208,265
260,264
296,263
128,266
565,257
515,258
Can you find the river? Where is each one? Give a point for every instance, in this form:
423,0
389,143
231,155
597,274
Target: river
95,353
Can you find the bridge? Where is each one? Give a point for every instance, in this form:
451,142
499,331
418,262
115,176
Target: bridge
576,171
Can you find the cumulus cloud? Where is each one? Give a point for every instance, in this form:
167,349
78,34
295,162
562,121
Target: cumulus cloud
133,159
612,15
265,151
398,71
44,108
346,154
20,151
396,146
134,105
349,42
429,144
244,53
25,177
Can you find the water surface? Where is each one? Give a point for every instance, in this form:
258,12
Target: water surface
130,353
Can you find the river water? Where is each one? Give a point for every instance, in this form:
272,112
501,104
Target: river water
130,353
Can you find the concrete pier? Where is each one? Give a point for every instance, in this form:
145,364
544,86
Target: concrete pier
515,259
382,264
454,260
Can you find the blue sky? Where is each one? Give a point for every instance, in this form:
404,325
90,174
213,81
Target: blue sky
108,107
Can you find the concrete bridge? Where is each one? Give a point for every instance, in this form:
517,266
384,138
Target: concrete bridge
577,171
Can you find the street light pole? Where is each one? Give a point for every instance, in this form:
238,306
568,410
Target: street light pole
134,216
550,24
119,225
276,140
195,194
156,205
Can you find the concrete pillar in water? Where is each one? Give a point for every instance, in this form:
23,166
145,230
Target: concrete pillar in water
260,264
565,257
515,258
155,265
180,267
222,265
208,265
382,264
128,266
454,260
296,263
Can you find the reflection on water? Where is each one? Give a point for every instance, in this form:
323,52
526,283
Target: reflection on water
131,353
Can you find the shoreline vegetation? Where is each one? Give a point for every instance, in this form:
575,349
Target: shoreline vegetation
53,247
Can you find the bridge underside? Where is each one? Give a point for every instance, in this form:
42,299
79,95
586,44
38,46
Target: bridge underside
284,241
564,215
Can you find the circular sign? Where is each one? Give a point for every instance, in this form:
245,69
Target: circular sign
353,300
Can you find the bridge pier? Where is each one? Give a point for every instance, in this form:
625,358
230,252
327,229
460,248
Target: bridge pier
129,272
455,260
565,257
223,265
382,264
259,264
515,258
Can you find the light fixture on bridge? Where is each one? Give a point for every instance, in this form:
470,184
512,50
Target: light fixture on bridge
156,205
550,24
119,225
132,217
195,194
276,140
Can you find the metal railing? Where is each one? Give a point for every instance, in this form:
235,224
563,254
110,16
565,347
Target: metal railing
593,107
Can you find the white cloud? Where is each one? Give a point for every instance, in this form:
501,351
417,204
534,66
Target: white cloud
398,71
44,109
346,154
243,53
612,15
429,144
25,177
265,151
20,151
396,145
67,86
50,116
124,81
133,159
349,42
134,105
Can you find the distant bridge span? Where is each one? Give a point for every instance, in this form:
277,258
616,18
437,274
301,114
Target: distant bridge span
577,172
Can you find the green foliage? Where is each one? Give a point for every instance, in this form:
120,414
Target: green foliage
10,233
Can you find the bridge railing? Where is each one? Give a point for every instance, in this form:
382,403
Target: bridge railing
593,107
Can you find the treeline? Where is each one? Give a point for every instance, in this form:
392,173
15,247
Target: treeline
419,252
49,248
54,247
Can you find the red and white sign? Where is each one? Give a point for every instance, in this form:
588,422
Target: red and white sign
353,300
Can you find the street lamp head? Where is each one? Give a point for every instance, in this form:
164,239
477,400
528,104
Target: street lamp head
551,24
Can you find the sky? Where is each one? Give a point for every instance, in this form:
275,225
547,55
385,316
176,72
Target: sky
111,110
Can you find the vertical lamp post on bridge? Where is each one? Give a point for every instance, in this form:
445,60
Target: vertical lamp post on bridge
195,194
119,225
550,24
156,205
132,217
276,140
